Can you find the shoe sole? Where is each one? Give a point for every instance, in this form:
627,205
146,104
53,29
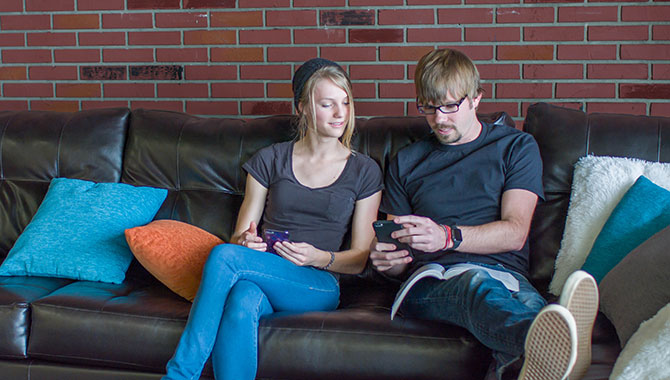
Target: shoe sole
580,297
551,345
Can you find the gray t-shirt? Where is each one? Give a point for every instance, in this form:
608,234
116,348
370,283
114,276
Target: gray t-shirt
318,216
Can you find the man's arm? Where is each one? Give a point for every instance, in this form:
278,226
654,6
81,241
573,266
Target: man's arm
507,234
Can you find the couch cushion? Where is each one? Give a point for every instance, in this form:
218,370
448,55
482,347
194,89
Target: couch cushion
85,145
643,211
88,323
636,288
366,344
134,325
174,252
77,231
44,370
16,293
563,136
199,160
599,184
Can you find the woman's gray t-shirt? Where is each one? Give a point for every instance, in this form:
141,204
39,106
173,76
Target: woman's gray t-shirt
318,216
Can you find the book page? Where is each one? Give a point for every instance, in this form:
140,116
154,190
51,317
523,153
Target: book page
428,270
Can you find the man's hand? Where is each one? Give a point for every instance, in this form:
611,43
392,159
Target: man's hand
385,258
421,233
250,239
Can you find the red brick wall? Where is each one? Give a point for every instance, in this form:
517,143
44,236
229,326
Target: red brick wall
232,57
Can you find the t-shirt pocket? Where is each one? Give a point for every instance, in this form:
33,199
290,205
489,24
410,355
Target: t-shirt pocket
340,208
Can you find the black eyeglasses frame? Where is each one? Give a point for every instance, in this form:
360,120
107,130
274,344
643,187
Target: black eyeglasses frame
422,108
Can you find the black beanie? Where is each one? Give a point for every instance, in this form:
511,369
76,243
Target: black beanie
305,72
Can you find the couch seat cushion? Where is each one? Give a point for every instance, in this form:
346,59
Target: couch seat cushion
136,325
16,293
133,325
363,343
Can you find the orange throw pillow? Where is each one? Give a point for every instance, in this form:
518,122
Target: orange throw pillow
174,252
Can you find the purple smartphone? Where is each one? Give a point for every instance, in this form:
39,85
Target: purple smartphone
273,236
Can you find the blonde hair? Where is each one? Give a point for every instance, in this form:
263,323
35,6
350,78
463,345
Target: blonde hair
307,111
443,72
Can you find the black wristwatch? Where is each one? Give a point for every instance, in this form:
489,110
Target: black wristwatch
456,237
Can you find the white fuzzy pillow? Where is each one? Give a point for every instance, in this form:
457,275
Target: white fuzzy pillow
647,353
598,185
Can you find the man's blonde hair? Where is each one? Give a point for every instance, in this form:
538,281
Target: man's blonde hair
443,72
307,114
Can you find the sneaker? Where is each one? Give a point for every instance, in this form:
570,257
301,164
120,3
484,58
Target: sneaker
580,297
551,345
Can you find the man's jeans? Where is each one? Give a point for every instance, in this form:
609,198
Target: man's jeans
497,317
238,286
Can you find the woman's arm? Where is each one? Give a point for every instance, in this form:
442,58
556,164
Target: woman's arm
249,215
351,261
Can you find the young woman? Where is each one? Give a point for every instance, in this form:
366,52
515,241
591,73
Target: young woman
316,188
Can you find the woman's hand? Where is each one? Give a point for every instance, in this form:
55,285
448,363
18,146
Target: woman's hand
302,254
385,257
250,239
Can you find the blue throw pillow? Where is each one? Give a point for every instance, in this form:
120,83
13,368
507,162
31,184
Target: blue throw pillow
643,211
78,231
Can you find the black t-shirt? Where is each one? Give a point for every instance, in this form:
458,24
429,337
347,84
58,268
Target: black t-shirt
318,216
463,185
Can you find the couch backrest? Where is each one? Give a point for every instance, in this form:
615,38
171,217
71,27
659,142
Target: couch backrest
37,146
197,159
564,135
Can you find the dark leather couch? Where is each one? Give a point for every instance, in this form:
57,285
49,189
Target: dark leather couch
63,329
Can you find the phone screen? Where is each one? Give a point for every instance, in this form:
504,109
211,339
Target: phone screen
273,236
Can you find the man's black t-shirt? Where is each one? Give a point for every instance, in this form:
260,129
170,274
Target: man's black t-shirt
463,185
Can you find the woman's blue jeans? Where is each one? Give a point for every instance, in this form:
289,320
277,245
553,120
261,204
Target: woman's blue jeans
239,285
497,317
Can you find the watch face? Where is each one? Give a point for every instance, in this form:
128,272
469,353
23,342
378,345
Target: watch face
456,234
456,237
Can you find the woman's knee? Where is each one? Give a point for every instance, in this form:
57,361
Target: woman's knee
246,302
220,256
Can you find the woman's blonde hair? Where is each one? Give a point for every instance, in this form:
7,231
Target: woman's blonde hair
443,72
307,111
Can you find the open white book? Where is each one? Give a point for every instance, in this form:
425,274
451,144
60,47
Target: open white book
439,272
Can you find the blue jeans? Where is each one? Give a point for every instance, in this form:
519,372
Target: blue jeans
497,317
239,285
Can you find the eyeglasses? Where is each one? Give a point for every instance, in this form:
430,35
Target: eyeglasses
445,108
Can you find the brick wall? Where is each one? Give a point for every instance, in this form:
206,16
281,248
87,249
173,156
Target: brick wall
236,57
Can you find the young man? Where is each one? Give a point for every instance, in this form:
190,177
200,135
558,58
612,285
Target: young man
465,195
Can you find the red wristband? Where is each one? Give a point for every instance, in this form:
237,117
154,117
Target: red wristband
447,235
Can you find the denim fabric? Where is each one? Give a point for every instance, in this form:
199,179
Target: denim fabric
497,317
238,286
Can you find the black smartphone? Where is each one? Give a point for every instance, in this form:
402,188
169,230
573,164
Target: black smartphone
383,230
273,236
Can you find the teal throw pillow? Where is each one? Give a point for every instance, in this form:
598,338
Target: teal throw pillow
78,231
643,211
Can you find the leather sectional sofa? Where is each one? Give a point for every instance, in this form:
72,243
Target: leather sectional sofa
52,328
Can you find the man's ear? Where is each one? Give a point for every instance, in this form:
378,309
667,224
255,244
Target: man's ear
475,101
